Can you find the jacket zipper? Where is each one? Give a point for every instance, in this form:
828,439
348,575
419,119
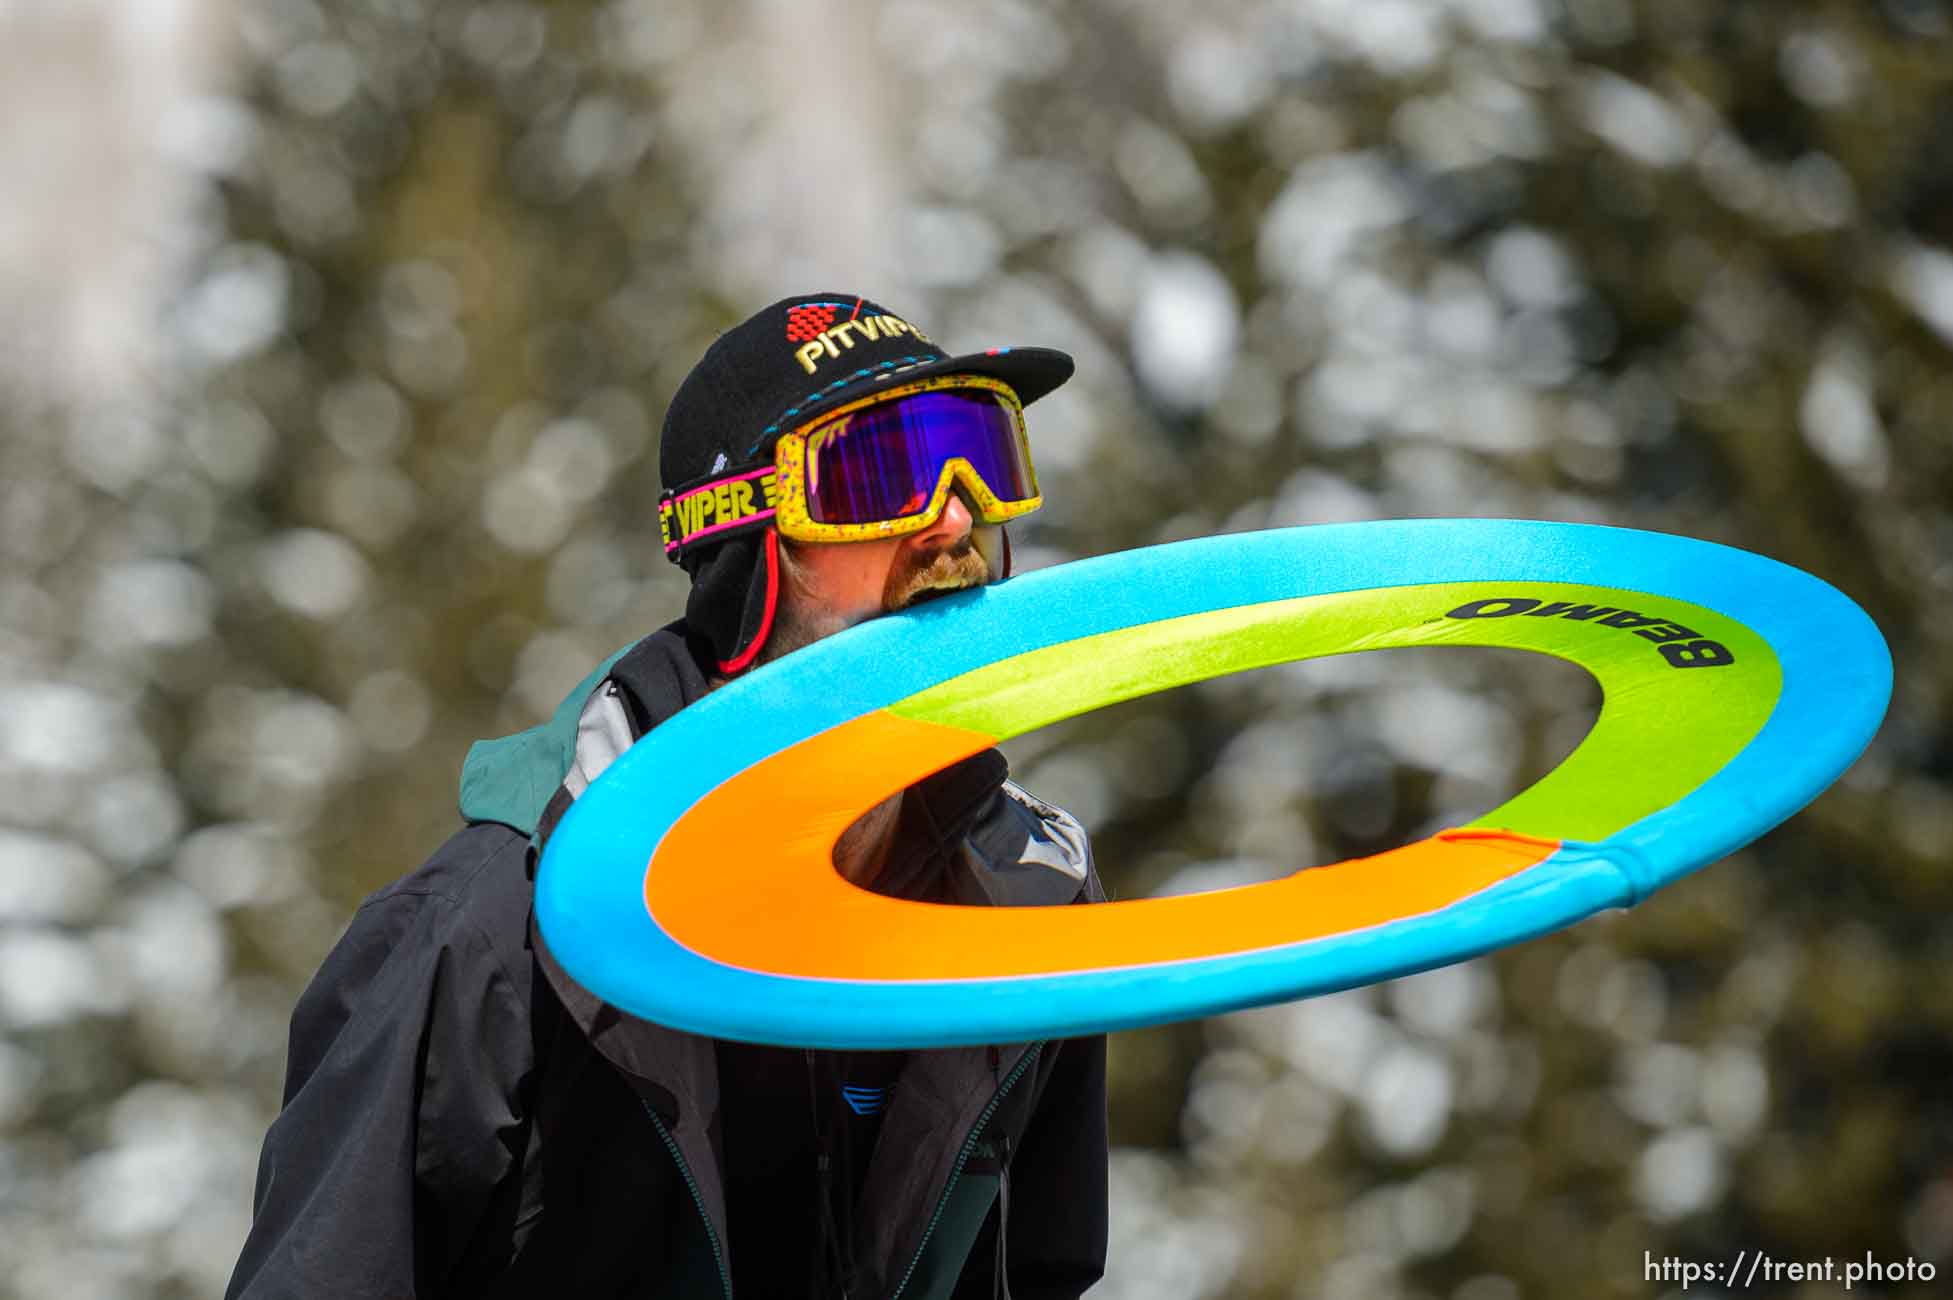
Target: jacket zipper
963,1158
698,1200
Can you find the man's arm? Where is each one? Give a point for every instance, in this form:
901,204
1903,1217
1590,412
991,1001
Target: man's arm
1011,848
400,1110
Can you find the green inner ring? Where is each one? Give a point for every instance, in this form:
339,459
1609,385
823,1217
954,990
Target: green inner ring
1663,730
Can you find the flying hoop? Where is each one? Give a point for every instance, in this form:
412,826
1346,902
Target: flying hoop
692,883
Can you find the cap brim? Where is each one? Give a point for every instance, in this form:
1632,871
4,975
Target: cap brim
1030,372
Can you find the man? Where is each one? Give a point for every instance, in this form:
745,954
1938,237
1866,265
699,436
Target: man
461,1118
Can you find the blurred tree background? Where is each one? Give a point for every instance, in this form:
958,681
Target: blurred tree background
333,376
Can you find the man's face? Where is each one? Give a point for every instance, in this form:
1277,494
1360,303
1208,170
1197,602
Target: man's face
832,586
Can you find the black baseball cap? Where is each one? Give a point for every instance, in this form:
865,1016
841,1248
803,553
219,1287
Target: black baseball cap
772,373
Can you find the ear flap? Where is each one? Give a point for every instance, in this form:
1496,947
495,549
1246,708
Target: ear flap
735,593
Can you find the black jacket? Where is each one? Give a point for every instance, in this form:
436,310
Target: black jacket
460,1118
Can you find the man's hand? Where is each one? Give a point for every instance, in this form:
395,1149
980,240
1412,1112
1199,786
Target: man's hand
862,850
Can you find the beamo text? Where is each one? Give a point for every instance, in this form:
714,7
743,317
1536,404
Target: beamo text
1757,1267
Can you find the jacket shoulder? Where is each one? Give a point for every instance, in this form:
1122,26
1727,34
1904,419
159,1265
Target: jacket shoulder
455,928
478,878
468,861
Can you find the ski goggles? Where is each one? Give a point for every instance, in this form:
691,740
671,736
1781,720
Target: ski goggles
879,467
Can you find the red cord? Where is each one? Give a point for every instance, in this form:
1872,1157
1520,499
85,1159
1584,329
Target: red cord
745,657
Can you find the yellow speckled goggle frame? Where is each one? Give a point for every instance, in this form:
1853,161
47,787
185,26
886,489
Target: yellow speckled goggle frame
794,450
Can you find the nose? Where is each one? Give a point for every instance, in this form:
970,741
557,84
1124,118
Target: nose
952,527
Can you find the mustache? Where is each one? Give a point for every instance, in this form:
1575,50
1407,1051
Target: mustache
951,570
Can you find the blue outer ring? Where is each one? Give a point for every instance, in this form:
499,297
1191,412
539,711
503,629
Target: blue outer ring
1837,678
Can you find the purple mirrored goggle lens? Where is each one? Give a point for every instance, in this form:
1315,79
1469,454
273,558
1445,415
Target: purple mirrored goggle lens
885,463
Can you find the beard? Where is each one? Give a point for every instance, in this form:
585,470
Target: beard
797,622
952,570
